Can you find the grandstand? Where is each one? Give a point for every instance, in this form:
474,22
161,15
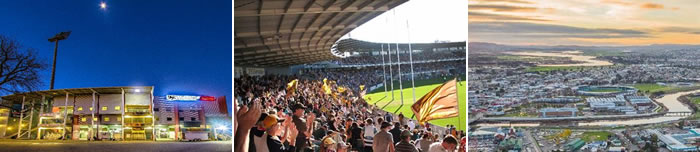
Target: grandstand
288,56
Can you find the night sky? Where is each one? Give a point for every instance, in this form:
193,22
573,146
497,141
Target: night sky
179,47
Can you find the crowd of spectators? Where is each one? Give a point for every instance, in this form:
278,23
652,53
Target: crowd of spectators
370,76
308,119
366,58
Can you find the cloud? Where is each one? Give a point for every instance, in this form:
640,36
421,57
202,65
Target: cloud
618,2
676,29
643,6
501,8
652,6
498,17
536,30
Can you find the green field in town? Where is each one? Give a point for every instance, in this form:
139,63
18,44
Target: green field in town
595,136
381,98
652,87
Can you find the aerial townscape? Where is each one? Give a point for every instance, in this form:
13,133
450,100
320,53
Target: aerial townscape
583,76
573,98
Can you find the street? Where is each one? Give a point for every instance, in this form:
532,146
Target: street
532,140
115,146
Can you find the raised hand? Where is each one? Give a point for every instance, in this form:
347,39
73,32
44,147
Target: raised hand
247,117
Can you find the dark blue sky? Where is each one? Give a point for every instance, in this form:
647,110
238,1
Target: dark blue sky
177,46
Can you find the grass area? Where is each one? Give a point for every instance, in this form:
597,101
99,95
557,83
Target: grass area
595,136
422,87
520,114
652,87
695,100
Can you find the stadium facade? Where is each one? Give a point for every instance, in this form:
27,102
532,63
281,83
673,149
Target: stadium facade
112,113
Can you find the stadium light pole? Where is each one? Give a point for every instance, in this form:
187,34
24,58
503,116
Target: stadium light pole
383,70
410,57
58,37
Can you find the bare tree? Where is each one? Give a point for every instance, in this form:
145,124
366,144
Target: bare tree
19,69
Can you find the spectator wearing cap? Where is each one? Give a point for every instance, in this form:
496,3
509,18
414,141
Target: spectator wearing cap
257,136
328,144
383,140
404,145
447,145
274,129
396,132
302,127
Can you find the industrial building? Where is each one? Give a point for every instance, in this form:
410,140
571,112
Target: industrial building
558,112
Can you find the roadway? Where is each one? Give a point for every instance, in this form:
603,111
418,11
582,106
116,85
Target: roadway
532,141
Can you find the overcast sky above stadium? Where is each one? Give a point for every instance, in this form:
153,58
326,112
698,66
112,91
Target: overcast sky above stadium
584,22
443,20
180,47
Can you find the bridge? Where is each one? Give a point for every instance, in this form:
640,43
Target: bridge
559,119
677,114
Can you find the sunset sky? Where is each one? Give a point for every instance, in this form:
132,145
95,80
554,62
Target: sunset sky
584,22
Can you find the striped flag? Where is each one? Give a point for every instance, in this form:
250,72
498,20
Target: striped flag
439,103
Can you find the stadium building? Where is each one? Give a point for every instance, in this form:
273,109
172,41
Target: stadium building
112,113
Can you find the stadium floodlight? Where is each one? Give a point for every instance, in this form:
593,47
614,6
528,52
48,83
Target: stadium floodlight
58,37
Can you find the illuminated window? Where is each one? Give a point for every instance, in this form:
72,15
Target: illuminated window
117,108
119,119
83,119
94,119
104,108
90,108
106,118
80,108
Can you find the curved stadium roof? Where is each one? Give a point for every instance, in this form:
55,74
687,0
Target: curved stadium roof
271,33
355,45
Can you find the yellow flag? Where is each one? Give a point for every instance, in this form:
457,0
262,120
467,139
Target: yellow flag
326,88
341,89
292,87
439,103
362,87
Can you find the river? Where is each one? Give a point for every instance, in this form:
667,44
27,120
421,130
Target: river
574,55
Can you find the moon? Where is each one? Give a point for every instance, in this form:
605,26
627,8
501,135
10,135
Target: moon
103,5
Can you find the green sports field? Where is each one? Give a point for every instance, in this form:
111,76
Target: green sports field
382,98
